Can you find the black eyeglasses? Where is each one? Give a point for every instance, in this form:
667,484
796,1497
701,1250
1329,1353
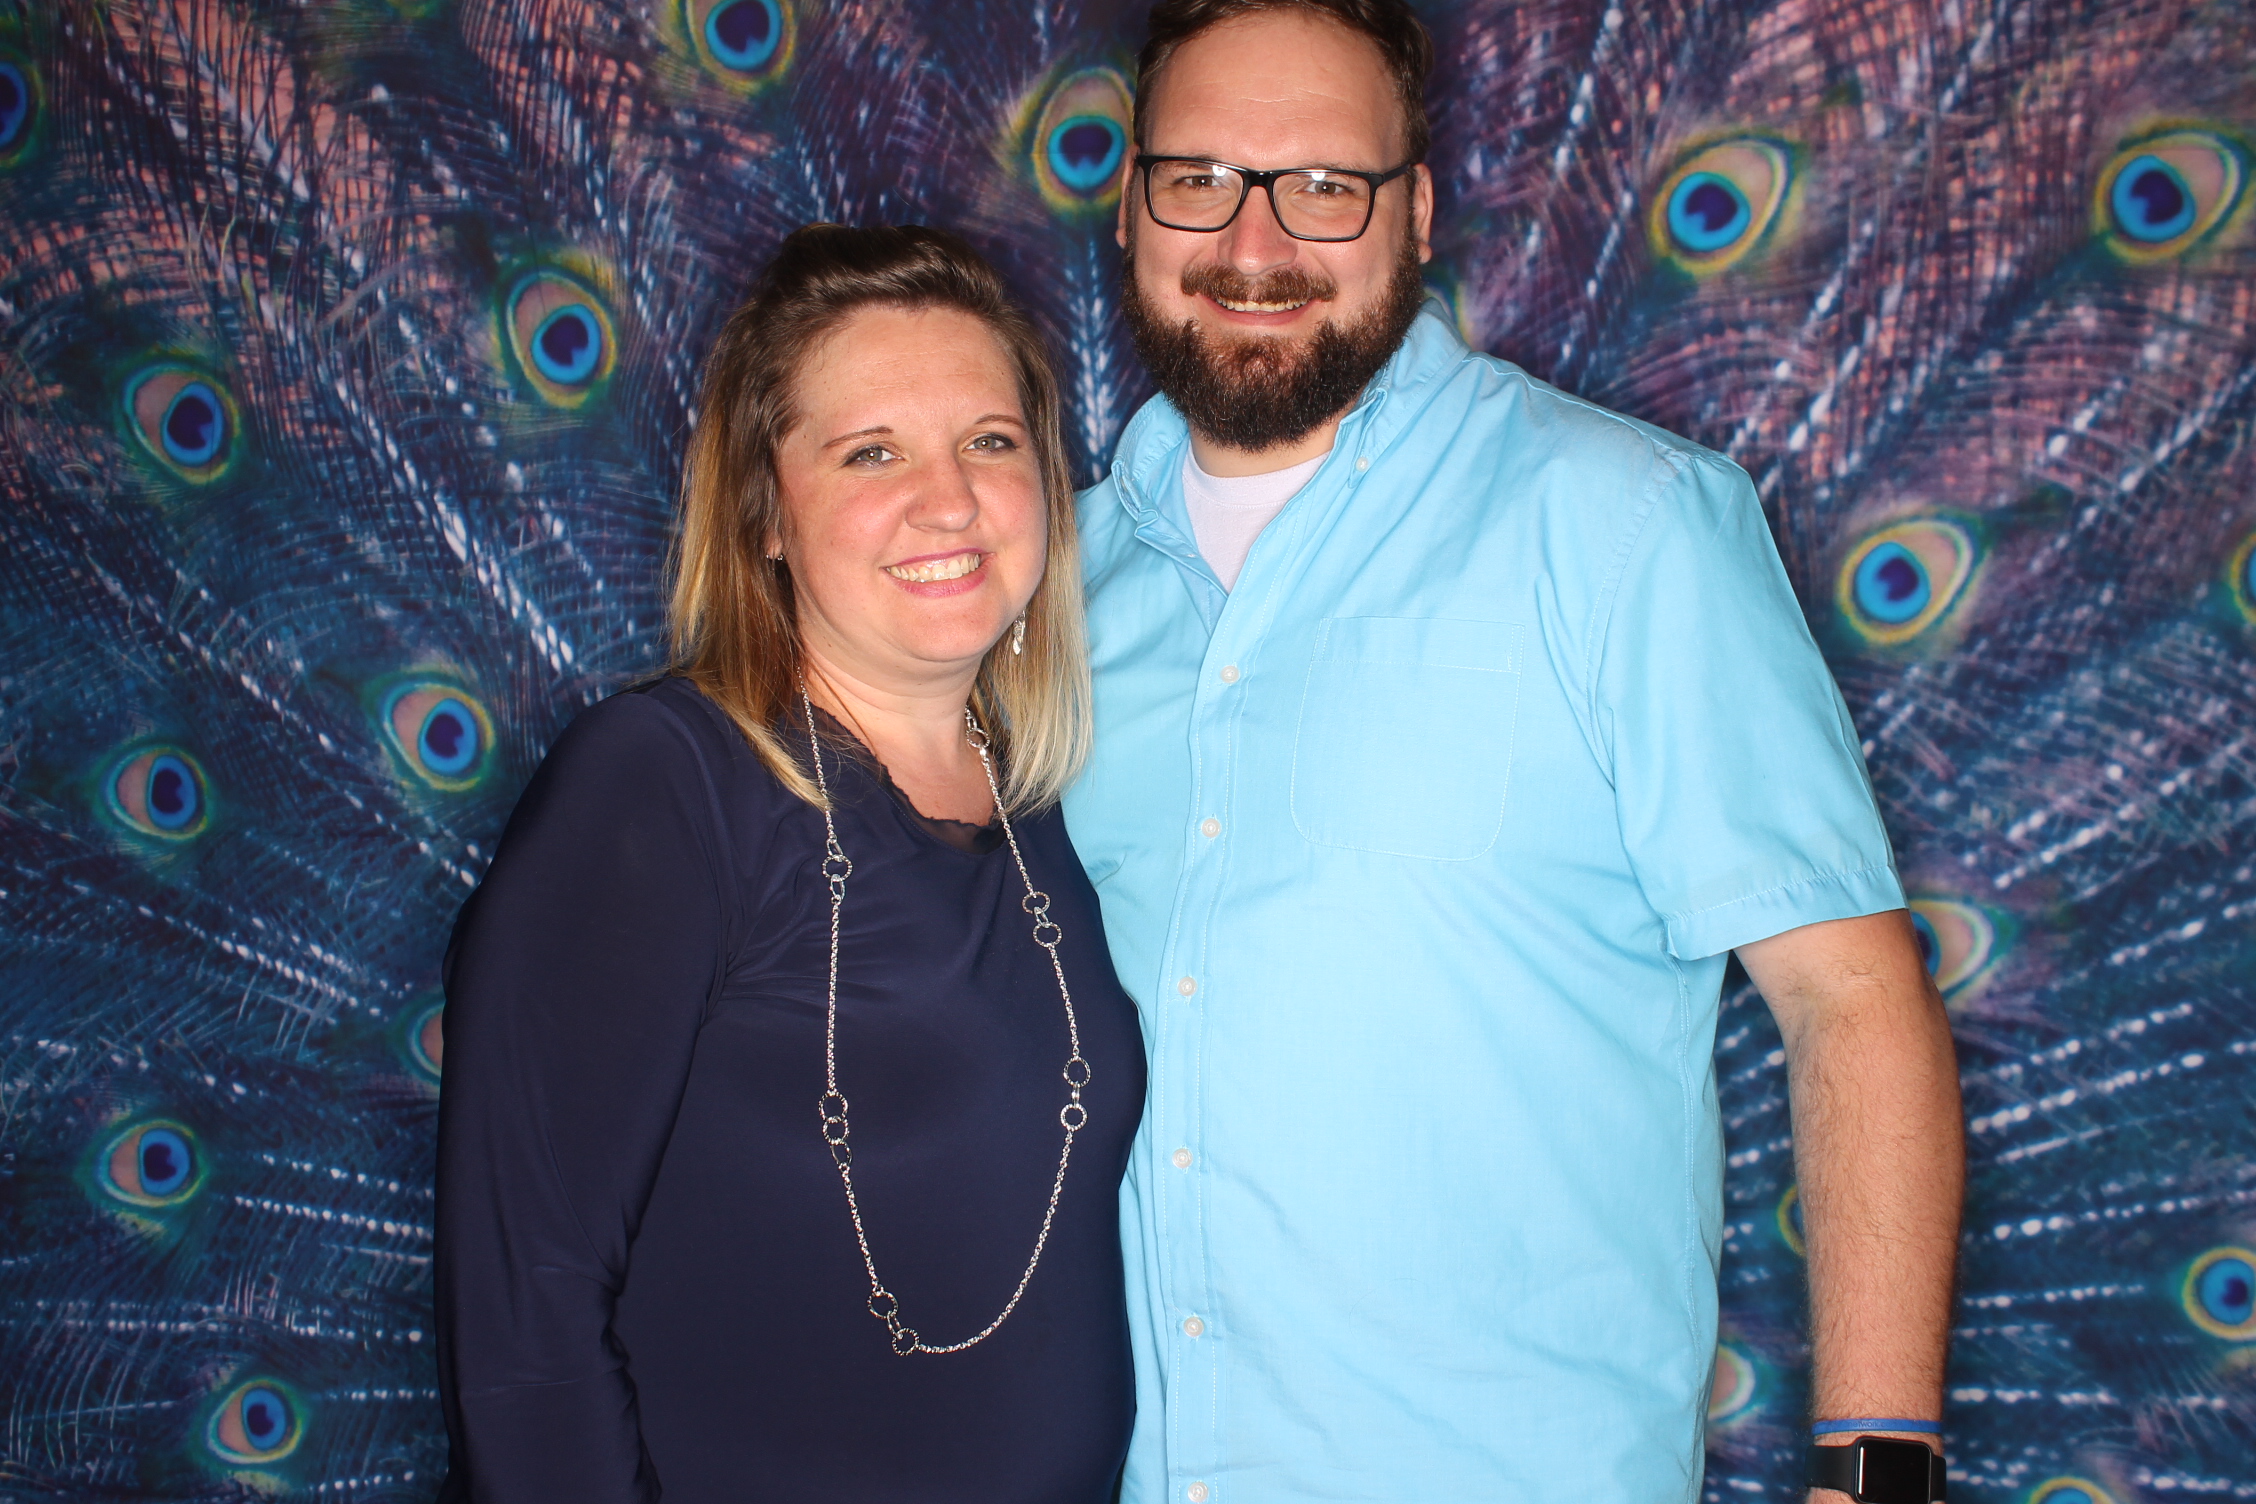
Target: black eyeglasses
1311,203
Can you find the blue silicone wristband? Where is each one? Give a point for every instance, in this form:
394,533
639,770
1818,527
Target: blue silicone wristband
1836,1427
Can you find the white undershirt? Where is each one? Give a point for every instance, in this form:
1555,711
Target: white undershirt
1229,511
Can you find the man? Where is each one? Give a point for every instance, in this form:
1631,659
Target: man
1451,733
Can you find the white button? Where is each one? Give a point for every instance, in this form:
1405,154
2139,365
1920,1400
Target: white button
1182,1158
1193,1327
1187,986
1210,827
1362,462
1229,673
1196,1493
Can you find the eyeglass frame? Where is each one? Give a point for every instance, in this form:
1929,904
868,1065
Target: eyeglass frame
1252,178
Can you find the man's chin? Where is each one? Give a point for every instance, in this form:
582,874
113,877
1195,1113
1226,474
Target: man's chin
1257,382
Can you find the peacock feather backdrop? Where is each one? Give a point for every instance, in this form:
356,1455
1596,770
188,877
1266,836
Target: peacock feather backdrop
348,351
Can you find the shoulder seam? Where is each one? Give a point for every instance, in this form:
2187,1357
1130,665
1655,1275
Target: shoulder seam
1678,448
719,849
1668,465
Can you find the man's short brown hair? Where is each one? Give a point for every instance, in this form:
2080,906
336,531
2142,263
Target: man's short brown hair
1400,36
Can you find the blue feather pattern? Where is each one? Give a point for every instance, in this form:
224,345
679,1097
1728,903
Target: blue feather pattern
348,355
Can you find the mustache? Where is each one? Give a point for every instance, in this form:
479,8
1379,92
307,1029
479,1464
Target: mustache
1287,284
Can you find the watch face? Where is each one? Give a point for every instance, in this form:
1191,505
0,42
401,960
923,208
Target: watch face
1893,1472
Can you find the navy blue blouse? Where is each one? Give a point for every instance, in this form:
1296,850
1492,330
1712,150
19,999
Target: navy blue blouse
648,1284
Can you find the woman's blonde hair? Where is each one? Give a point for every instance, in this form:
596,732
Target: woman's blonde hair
735,626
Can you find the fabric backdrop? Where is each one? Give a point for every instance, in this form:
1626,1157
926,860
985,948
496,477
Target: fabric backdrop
348,351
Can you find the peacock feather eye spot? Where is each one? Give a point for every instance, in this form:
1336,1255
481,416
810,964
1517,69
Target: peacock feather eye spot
1900,581
1930,948
2240,577
2069,1491
164,1161
439,730
15,105
1957,941
258,1422
1717,204
426,1041
568,344
151,1165
2228,1290
159,791
1085,152
448,742
2220,1293
1733,1392
1080,138
562,338
2151,200
22,106
1790,1221
744,33
184,418
1891,584
1707,212
2159,197
745,42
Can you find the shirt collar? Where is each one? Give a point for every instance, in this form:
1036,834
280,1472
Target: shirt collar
1150,453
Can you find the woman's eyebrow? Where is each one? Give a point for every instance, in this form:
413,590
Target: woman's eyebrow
860,433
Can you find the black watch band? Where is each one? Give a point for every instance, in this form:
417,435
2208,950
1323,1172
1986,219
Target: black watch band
1880,1470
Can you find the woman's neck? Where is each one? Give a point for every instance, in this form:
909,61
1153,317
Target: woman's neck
917,732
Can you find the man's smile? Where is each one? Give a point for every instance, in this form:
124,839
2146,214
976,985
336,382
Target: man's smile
1236,305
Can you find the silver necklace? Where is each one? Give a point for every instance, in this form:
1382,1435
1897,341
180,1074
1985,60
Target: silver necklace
1073,1117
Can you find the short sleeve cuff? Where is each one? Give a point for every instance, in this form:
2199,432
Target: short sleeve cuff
1841,895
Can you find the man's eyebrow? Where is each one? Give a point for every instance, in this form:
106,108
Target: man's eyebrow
1214,161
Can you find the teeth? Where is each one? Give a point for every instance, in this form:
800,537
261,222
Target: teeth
1237,307
933,571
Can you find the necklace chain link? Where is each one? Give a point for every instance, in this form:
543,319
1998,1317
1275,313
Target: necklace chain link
1073,1117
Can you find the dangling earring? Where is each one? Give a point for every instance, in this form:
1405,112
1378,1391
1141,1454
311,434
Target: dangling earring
1018,635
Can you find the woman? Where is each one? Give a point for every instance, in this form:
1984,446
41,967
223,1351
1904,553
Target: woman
767,1028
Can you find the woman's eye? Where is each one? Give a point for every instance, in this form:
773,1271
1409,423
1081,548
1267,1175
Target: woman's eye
993,443
869,454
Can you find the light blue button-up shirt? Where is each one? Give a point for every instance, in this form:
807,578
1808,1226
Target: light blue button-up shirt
1421,852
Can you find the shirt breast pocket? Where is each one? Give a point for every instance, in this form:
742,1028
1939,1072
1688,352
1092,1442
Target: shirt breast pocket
1405,739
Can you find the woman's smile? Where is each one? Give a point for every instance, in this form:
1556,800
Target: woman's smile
941,574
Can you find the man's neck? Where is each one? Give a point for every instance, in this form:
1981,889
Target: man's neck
1221,460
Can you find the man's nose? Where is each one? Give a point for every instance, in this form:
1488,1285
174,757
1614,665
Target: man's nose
1254,242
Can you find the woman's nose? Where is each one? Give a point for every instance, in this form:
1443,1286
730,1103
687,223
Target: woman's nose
944,501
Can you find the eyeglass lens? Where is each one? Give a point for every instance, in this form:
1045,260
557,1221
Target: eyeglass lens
1317,205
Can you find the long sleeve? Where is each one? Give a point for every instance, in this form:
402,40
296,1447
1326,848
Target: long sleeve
576,983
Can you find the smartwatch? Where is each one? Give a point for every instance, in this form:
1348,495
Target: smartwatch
1880,1470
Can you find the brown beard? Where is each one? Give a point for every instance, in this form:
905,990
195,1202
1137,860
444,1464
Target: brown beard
1261,393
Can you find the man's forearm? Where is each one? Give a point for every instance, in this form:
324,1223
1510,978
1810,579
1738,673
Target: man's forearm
1879,1153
